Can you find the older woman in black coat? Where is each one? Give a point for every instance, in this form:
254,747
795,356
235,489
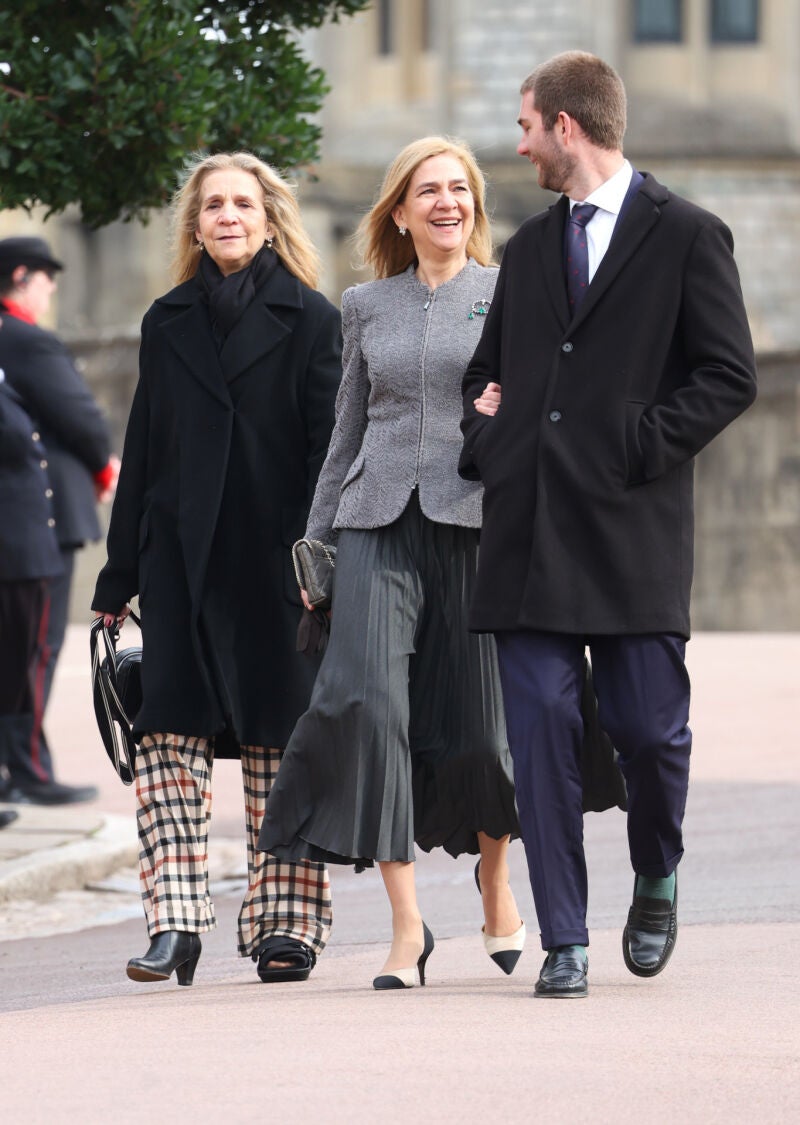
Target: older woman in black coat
230,423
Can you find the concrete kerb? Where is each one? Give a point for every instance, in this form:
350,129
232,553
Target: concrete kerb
71,865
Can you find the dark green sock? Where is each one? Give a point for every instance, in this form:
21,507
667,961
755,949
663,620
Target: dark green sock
656,888
578,950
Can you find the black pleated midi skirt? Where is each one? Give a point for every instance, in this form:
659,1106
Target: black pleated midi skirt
404,739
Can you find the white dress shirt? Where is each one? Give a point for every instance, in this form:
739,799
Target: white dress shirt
608,199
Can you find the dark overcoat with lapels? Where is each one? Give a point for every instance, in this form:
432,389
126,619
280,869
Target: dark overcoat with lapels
221,457
588,464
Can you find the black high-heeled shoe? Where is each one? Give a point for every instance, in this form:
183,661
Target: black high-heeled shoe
405,978
505,951
170,951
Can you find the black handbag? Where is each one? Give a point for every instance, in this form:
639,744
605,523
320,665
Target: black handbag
117,695
314,564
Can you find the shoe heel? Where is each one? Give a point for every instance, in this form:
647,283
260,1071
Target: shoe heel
405,978
427,949
185,973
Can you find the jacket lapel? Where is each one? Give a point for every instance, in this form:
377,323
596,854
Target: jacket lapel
552,260
261,327
189,335
640,214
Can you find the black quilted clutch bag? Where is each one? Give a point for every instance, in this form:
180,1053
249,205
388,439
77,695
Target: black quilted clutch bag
314,563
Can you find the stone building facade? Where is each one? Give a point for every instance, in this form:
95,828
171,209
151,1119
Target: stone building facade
713,90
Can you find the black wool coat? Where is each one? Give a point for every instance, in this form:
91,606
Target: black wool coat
28,544
221,456
72,425
588,464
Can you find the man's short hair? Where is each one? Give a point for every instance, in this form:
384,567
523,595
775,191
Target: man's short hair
584,87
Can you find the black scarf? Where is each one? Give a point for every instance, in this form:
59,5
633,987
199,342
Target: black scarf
228,297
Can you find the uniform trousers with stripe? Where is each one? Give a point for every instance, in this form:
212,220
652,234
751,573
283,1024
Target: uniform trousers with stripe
23,622
173,788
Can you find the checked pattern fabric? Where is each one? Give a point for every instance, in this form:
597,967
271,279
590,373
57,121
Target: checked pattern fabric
173,788
577,254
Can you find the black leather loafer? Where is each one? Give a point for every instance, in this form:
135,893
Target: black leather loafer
650,934
563,975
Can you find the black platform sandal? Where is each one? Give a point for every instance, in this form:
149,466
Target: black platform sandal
301,959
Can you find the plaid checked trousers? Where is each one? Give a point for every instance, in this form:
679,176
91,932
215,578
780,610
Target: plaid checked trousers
173,788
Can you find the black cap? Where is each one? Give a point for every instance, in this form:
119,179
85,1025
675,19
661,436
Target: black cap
24,250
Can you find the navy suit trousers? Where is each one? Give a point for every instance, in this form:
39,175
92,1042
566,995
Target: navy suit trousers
642,691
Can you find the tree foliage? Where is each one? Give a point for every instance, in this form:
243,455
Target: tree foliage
101,103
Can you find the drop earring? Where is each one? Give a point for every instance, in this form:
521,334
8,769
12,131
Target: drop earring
401,231
269,240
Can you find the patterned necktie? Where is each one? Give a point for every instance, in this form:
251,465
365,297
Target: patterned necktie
577,254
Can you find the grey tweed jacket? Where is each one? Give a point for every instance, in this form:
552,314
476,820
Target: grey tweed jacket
399,406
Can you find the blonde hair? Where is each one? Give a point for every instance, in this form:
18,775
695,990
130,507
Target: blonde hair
291,243
378,241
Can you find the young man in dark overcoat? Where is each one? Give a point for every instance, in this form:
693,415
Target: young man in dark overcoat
617,346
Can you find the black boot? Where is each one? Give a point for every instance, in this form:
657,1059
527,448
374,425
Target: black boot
171,950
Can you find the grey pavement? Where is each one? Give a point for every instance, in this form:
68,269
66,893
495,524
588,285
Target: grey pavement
716,1037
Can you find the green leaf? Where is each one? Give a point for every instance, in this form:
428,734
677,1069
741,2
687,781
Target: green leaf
102,102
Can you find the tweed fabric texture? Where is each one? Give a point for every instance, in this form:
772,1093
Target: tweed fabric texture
399,406
173,788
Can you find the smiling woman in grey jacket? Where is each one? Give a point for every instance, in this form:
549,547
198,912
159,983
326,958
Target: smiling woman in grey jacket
404,739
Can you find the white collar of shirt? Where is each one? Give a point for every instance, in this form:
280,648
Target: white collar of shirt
608,199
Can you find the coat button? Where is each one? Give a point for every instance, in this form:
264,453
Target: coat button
42,464
35,436
555,415
566,347
48,493
51,522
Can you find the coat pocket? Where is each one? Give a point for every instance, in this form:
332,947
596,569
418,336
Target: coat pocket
634,459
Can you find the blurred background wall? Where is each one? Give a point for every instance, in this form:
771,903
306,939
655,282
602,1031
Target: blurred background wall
713,89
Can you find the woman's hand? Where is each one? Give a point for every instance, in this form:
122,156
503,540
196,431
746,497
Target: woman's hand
110,619
489,400
306,602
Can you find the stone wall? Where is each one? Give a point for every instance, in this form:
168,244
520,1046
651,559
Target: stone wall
747,508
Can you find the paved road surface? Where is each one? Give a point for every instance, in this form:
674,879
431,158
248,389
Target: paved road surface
714,1039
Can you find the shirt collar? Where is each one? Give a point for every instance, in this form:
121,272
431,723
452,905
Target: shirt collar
610,195
17,311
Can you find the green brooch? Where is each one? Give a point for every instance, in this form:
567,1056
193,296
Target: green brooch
479,308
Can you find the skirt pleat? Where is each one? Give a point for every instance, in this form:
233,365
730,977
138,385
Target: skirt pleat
404,739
